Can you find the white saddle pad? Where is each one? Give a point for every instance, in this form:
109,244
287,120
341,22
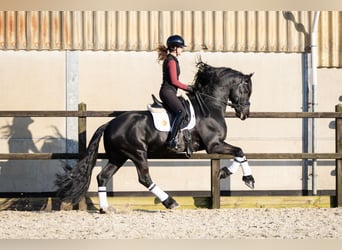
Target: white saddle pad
161,119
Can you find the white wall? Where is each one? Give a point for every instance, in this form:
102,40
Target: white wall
126,80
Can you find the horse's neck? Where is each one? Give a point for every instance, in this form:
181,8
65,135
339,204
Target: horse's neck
217,111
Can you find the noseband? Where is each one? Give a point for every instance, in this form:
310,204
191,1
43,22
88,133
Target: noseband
238,105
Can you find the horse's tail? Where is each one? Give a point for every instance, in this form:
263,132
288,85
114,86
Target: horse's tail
74,183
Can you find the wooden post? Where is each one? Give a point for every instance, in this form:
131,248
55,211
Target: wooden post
215,183
338,122
82,130
82,145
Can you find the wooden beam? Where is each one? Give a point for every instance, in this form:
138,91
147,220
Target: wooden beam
151,203
338,161
199,156
215,184
89,113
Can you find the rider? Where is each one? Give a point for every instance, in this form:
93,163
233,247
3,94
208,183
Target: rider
168,92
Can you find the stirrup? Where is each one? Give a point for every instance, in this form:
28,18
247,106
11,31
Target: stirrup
172,144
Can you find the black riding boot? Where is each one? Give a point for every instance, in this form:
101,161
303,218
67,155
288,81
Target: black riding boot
171,142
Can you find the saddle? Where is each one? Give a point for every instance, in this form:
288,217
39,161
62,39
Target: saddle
162,119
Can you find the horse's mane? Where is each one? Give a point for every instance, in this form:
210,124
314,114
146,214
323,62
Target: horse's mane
208,76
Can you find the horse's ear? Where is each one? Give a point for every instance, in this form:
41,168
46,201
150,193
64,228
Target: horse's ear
199,59
248,77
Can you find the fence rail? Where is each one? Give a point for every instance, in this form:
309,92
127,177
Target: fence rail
195,156
82,114
89,113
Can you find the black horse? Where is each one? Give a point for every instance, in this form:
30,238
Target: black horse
132,135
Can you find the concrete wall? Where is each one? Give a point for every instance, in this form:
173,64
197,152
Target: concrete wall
125,81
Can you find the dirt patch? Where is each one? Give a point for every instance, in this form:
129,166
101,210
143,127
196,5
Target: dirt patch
268,223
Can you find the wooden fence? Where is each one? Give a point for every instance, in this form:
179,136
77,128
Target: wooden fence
82,115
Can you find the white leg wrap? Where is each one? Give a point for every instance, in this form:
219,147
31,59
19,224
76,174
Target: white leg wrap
246,169
103,197
234,166
158,192
240,161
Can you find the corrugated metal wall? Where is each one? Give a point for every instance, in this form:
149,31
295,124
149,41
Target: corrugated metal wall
330,39
238,31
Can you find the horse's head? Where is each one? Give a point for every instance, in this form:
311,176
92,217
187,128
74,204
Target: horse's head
223,86
239,96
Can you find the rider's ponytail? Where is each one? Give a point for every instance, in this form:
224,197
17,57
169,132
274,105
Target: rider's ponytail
162,52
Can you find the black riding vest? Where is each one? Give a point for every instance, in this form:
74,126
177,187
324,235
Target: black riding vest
166,75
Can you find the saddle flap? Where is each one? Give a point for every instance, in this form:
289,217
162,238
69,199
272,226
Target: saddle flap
154,109
161,117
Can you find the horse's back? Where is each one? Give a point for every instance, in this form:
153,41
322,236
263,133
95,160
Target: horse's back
128,121
133,130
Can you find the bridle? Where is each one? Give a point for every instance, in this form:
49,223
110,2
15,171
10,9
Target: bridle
227,102
239,104
204,108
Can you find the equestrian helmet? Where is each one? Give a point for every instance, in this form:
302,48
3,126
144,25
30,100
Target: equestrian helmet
175,41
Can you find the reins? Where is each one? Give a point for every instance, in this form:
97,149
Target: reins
227,103
202,106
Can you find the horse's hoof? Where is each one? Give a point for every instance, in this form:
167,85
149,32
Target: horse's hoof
102,211
170,203
108,209
66,206
224,173
174,205
249,181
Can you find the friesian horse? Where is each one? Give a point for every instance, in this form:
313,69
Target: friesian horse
133,136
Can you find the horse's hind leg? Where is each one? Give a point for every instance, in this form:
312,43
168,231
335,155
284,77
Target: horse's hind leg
145,180
102,180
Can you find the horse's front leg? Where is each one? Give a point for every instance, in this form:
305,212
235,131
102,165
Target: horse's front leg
239,160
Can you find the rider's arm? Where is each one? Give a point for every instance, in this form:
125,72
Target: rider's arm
173,75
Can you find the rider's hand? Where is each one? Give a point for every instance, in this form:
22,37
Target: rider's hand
190,89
